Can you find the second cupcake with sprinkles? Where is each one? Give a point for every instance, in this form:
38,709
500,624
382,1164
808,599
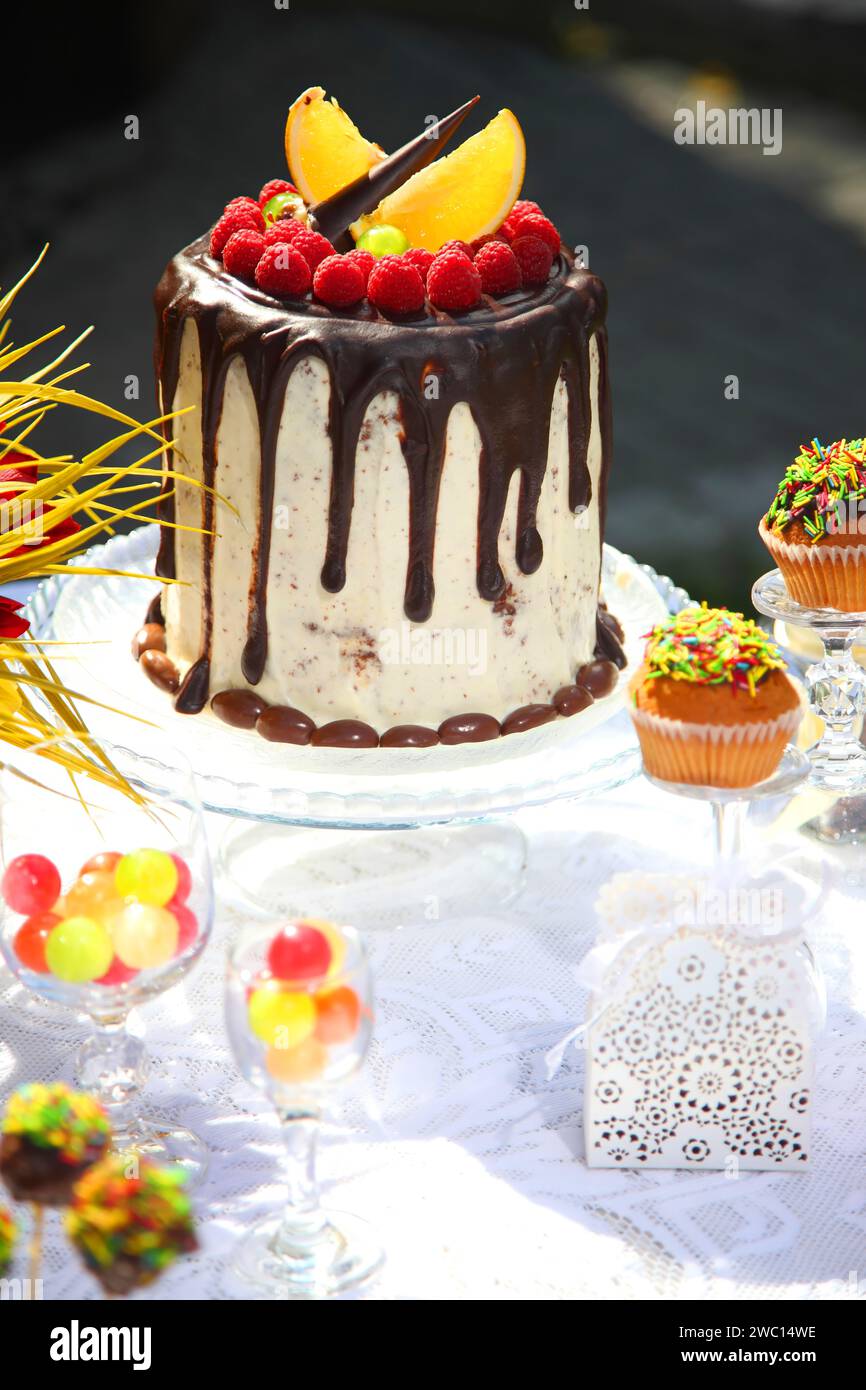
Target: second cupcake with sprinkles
711,702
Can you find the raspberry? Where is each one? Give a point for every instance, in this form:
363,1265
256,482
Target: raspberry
421,259
453,282
283,231
456,246
242,253
236,220
534,257
476,245
338,282
273,187
395,286
312,245
521,208
535,224
498,267
282,270
506,231
244,202
364,260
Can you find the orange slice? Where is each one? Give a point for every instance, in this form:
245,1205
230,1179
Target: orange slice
463,196
324,149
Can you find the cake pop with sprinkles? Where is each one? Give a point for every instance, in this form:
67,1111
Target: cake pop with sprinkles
130,1224
8,1232
49,1136
711,703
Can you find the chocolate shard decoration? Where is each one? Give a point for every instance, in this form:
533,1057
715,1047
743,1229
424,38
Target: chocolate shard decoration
334,216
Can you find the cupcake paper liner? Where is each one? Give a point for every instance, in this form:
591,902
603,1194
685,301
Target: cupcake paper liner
821,575
713,755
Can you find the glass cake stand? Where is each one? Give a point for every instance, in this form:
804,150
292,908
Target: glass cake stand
274,791
836,685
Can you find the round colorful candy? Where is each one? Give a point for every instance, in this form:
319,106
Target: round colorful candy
97,863
144,936
295,1065
282,205
184,880
338,1013
31,884
383,240
30,940
148,875
280,1017
335,939
187,925
78,950
299,952
93,894
117,973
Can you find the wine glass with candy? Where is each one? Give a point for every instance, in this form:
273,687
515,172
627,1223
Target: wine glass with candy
299,1016
106,900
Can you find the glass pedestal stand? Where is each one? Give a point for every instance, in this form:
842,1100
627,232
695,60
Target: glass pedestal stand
730,805
836,686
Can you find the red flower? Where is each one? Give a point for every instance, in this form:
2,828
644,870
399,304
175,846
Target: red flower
22,470
11,625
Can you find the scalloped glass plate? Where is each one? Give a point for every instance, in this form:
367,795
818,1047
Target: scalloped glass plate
240,774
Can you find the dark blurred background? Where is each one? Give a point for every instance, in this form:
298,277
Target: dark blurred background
720,262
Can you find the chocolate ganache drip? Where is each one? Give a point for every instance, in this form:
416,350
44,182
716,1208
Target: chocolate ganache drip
504,358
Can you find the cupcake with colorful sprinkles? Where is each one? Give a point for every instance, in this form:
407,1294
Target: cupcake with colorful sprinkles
130,1226
7,1238
49,1137
813,526
711,703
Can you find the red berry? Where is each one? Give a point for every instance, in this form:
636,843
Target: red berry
282,232
534,224
187,924
283,270
273,187
506,231
453,282
242,253
299,952
243,202
395,286
337,282
117,973
312,245
238,219
498,267
456,246
421,259
30,941
476,245
184,881
534,257
31,884
364,260
522,207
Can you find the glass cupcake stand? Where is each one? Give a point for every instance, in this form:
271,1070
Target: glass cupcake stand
296,813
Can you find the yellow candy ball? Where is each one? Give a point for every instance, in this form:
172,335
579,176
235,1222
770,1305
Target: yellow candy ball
148,875
281,1018
144,936
295,1065
78,949
92,895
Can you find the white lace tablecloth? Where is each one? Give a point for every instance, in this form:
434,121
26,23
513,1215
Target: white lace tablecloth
464,1158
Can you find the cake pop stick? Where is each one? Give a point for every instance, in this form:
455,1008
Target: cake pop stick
334,216
37,1229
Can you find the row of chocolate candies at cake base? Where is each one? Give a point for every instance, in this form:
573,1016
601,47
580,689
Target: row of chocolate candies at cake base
55,1152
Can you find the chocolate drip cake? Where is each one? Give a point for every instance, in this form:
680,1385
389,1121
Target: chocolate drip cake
399,534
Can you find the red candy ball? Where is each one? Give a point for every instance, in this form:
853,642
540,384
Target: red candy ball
184,882
187,925
299,952
31,884
117,973
30,941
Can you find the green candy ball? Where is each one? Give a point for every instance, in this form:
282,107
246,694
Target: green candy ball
78,949
384,241
282,205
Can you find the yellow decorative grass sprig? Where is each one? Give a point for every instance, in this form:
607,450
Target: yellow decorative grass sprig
48,493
